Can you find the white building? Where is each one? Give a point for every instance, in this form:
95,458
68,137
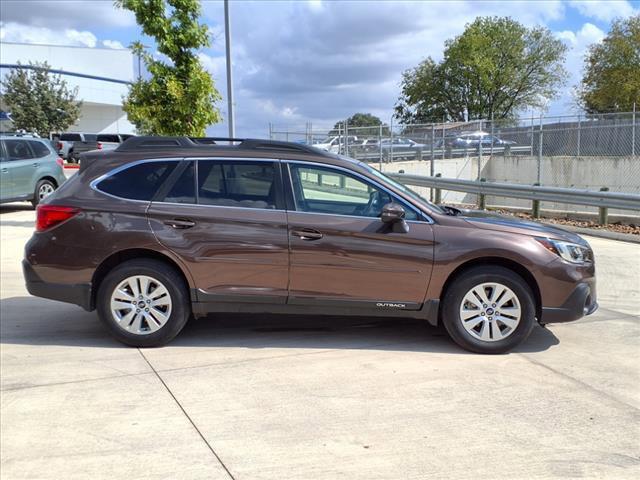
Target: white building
102,76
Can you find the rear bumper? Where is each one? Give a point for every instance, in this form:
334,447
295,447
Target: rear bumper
580,303
78,294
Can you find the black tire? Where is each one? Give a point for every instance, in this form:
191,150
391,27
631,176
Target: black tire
36,194
174,283
453,299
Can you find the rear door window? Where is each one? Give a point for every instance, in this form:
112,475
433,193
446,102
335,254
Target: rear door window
138,182
248,184
90,137
18,150
39,149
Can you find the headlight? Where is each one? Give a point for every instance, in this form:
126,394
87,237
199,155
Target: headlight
571,252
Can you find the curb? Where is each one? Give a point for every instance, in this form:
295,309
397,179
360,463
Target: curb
621,237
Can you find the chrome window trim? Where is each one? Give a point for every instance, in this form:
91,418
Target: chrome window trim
394,195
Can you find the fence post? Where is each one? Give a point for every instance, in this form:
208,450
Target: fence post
432,161
603,212
443,146
480,153
438,198
579,132
535,207
390,159
540,152
346,138
380,144
270,131
482,199
492,132
633,131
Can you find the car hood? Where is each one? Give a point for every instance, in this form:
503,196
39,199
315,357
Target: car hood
494,221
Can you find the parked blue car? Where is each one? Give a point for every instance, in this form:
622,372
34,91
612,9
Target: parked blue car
30,169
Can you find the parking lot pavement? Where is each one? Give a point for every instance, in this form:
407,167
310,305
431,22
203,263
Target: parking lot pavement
271,397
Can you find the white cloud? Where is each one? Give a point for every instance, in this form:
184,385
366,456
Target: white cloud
112,44
66,13
604,10
578,43
15,32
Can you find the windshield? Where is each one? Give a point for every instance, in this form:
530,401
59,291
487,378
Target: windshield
403,188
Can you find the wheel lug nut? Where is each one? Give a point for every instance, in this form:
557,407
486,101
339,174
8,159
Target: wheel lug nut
484,305
493,305
490,318
146,309
482,313
148,301
140,297
137,310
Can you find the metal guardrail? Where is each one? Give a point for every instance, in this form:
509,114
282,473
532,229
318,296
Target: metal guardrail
603,199
426,153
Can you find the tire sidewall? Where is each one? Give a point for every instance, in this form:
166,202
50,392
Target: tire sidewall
36,193
457,291
180,307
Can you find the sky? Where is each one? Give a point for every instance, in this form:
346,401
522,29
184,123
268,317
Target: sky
318,61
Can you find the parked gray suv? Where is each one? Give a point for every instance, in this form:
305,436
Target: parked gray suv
29,169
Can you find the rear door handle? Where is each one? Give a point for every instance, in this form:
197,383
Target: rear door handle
180,223
36,165
307,234
5,170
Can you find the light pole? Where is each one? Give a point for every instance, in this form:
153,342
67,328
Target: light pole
227,36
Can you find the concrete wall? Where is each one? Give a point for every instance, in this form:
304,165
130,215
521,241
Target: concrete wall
621,174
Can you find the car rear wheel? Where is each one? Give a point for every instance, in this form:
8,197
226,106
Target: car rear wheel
489,310
44,188
143,303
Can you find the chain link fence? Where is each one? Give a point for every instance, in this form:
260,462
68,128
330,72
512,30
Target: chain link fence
590,152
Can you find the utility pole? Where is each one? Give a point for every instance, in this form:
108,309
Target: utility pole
227,36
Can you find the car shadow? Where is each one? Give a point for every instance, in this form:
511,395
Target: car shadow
16,207
35,321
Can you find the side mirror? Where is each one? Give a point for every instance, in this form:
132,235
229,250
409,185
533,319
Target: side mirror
393,215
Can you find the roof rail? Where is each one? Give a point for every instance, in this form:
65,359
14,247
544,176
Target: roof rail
152,142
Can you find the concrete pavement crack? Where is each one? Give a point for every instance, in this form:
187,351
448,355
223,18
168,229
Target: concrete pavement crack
580,382
187,416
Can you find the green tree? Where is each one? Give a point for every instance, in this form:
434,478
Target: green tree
38,100
180,96
362,120
496,67
611,78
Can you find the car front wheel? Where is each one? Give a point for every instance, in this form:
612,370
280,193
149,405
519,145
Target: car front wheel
489,310
143,303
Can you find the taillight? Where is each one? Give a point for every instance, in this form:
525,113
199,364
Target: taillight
60,162
48,216
99,145
59,145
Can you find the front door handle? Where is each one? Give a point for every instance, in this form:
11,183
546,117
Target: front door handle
36,165
307,234
180,223
5,170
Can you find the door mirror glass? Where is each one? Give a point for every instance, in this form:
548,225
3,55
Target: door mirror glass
393,214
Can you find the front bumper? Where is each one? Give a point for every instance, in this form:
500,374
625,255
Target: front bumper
580,303
78,294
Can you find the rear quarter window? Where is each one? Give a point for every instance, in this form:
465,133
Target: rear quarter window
39,149
109,138
70,137
138,182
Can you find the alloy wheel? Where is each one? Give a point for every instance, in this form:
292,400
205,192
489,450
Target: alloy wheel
490,312
141,305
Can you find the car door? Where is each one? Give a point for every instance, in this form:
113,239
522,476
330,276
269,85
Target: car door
341,252
225,219
22,164
6,183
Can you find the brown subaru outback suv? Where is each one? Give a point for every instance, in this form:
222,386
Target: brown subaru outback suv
162,229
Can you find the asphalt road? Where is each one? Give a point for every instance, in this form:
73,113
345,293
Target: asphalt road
291,397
